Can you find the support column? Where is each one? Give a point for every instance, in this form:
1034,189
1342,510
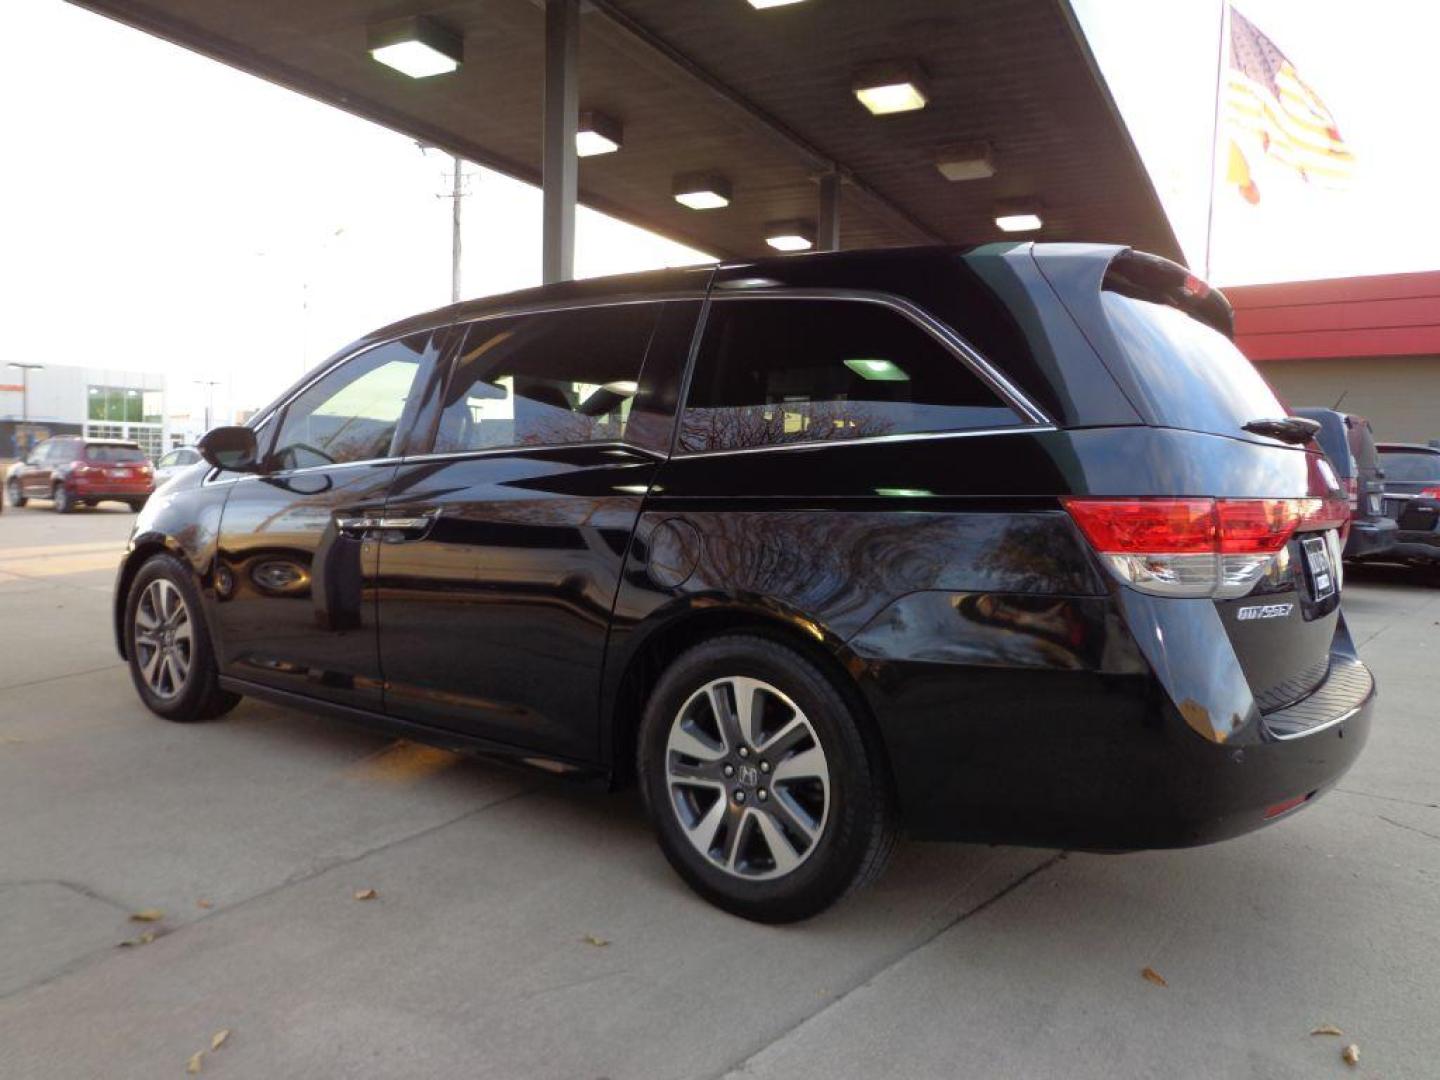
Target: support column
558,165
827,230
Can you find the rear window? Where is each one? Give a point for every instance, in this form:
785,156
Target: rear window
1410,465
100,452
1194,375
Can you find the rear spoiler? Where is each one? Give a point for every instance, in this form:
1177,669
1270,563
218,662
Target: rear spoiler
1149,277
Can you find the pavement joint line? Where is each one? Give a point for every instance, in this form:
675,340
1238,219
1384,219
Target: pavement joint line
56,678
74,886
1388,798
97,956
1408,828
741,1065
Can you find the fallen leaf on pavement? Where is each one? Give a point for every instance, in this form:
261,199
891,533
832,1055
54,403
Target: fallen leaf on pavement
193,1065
1350,1055
149,914
598,942
218,1039
366,894
1149,974
1327,1029
144,939
206,904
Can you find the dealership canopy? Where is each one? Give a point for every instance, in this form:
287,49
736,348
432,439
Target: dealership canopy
726,123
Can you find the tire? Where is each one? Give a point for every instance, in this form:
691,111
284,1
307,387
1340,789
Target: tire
136,505
163,616
64,501
17,497
829,824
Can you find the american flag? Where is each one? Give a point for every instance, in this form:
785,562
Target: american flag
1266,98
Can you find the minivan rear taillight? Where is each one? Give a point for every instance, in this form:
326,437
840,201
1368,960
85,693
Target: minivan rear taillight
1197,547
1352,489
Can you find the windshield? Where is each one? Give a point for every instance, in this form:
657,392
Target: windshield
101,452
1410,465
1194,375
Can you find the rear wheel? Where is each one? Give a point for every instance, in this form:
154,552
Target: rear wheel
135,505
172,662
64,501
17,496
759,781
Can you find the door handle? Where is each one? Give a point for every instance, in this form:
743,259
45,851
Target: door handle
365,524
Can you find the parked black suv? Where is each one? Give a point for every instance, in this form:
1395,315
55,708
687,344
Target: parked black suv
1006,543
1349,444
1412,498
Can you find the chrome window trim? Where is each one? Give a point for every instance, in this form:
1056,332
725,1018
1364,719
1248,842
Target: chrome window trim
497,451
961,349
869,440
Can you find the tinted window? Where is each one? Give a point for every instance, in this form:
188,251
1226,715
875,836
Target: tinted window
61,452
786,371
351,414
545,379
1194,375
104,452
1410,465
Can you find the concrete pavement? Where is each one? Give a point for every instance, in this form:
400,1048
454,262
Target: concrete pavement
481,954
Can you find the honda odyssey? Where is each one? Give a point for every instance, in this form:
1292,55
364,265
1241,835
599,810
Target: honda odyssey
1005,544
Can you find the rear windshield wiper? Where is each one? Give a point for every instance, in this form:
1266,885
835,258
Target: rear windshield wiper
1290,429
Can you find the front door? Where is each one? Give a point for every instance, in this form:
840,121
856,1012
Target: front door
294,578
495,603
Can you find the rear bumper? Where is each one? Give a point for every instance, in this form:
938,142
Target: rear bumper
1370,537
92,489
1143,750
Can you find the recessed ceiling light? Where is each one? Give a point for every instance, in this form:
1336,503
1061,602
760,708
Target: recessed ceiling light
762,4
416,46
968,161
877,370
702,191
1018,215
891,87
790,235
597,133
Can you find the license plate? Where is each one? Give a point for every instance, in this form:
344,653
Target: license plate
1317,560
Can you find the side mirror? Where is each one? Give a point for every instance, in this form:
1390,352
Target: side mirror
231,448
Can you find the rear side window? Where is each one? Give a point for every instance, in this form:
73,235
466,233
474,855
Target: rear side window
773,372
546,379
1193,375
1410,465
102,452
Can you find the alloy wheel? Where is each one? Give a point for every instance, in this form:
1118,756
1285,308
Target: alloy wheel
164,645
747,777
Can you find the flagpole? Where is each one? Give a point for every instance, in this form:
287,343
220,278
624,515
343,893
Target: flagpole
1220,58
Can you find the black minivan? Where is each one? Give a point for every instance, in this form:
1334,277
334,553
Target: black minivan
1005,543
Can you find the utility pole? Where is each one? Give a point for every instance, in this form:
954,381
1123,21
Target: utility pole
456,194
209,385
25,370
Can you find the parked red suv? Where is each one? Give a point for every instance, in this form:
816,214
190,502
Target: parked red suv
74,471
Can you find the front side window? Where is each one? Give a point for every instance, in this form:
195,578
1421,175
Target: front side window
353,413
772,372
545,379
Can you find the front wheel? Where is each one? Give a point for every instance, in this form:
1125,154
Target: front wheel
761,785
63,500
172,662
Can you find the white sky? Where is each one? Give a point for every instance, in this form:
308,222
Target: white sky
164,212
